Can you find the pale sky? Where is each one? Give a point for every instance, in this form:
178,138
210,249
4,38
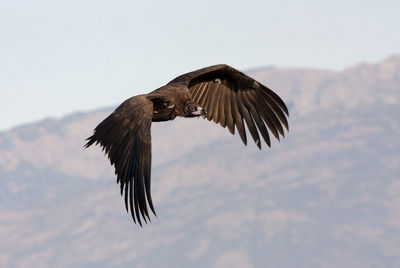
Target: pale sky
60,57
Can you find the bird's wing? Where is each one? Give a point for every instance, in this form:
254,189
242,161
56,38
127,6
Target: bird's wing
125,136
232,98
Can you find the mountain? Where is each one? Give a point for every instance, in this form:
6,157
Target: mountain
325,196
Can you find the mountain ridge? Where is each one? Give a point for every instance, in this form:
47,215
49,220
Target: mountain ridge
325,196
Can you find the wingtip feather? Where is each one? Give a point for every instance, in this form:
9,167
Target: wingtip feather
91,140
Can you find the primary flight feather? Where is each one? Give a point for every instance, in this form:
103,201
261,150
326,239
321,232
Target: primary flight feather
219,93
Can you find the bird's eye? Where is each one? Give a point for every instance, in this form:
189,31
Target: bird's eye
192,108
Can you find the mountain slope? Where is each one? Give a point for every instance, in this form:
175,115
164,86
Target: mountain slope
325,196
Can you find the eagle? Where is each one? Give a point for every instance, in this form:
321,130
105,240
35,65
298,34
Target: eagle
219,93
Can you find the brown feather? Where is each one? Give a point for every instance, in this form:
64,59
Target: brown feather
200,96
196,92
210,101
230,98
228,111
276,98
278,111
244,110
238,117
206,95
259,122
216,104
265,114
221,106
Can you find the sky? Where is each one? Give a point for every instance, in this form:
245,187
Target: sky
59,57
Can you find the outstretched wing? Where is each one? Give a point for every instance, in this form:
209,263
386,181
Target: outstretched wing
126,138
232,98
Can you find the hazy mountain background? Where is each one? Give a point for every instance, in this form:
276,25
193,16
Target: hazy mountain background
328,195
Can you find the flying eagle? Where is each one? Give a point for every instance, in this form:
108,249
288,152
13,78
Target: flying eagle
219,93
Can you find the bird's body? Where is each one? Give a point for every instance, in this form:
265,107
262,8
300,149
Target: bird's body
219,93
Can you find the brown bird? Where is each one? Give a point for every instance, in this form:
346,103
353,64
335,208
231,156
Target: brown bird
219,93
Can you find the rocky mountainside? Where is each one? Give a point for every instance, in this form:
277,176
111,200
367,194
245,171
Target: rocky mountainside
325,196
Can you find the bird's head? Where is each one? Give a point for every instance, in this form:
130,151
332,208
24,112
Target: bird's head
193,109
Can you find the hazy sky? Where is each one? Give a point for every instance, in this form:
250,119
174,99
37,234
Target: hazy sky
59,57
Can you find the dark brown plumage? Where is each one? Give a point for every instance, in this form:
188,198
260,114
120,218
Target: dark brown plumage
220,93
